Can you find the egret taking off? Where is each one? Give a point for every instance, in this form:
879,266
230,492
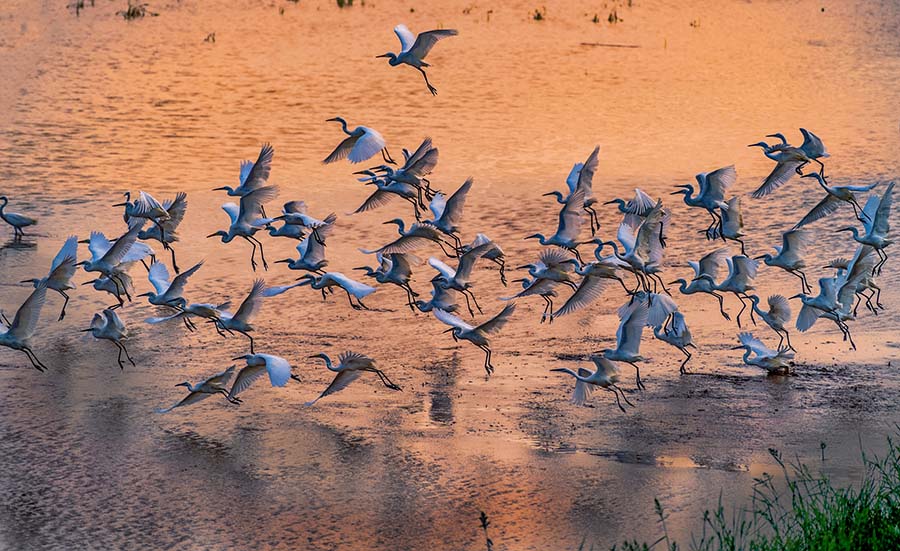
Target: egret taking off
253,175
789,160
108,326
758,354
18,333
477,335
360,144
14,219
350,366
243,218
835,196
204,389
789,256
278,369
876,223
605,376
61,272
711,195
413,49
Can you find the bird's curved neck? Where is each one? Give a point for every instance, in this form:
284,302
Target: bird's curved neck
682,285
343,125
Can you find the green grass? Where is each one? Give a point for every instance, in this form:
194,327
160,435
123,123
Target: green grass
799,510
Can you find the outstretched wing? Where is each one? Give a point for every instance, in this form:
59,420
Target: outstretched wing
496,323
68,250
407,38
177,287
755,345
340,382
426,41
159,277
825,207
370,143
219,379
779,309
451,214
716,183
176,210
253,201
570,216
26,319
588,291
245,378
812,145
451,320
252,303
783,171
342,150
258,175
882,222
278,368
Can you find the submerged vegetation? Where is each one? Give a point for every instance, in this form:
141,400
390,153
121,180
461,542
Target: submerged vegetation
136,11
799,510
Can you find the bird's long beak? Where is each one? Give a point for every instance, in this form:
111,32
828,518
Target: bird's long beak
605,203
672,283
546,194
82,263
315,356
362,268
91,282
283,261
736,347
220,189
798,295
447,331
144,294
760,257
85,330
120,204
211,235
382,55
244,357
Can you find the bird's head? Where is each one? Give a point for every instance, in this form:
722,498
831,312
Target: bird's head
397,221
147,294
184,384
738,347
525,266
683,189
766,256
306,279
336,119
557,194
321,356
219,233
82,263
284,261
778,135
534,236
369,271
33,281
614,201
229,189
91,282
392,57
678,281
127,195
763,145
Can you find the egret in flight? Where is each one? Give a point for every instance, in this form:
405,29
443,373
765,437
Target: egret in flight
441,297
204,389
14,219
312,252
605,376
758,354
240,321
395,268
636,209
582,177
458,279
108,326
19,332
415,237
789,256
145,207
789,160
448,212
106,257
243,218
413,49
732,224
537,287
594,279
253,175
835,196
569,226
278,369
777,316
709,266
360,144
168,291
350,366
418,165
676,333
164,231
741,273
876,224
353,288
711,195
62,270
628,338
477,335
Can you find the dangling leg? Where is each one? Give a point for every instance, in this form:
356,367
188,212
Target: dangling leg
616,394
637,378
127,355
682,369
622,392
252,252
787,336
721,300
62,313
502,262
34,359
119,356
475,302
262,253
386,155
350,298
385,380
431,88
251,341
186,324
743,307
234,400
174,264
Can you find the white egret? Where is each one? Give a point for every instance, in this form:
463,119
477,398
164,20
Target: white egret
278,369
350,366
360,144
387,190
108,326
164,231
18,333
876,225
240,320
732,228
122,282
636,209
773,361
537,287
595,276
62,270
741,273
554,264
295,213
569,226
353,288
709,266
418,165
831,202
628,338
106,258
676,333
441,297
242,220
789,256
395,268
495,254
448,212
643,246
312,252
145,207
207,311
413,49
204,389
14,219
582,177
789,160
477,335
253,175
168,293
458,279
605,376
711,195
416,237
777,316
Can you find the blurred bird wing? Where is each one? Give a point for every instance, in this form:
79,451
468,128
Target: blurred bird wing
407,38
572,178
627,236
191,398
98,245
253,201
438,205
628,335
641,204
449,319
711,263
357,289
116,254
246,167
279,369
418,154
425,41
496,323
370,143
342,150
812,145
68,250
586,174
756,345
177,286
570,216
555,258
807,317
604,367
233,211
733,217
452,211
146,203
159,277
779,309
176,210
446,271
259,172
219,379
252,303
663,306
883,214
589,289
340,382
246,377
825,207
422,166
115,322
138,251
783,171
25,322
794,242
401,265
468,259
714,185
378,198
354,359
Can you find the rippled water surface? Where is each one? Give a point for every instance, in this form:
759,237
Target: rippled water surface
92,106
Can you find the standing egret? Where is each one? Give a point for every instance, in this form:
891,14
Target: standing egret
18,333
441,297
709,266
773,361
395,268
458,279
312,252
253,175
416,237
204,389
789,160
413,49
360,144
789,256
605,376
676,333
62,269
14,219
242,220
569,226
278,369
711,195
732,224
107,260
350,366
477,335
831,202
877,225
448,212
108,326
628,338
741,273
634,209
537,287
168,293
777,316
353,288
164,232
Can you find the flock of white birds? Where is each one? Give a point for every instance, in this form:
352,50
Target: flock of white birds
633,263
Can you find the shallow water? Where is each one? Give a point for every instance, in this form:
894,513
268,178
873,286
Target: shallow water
93,106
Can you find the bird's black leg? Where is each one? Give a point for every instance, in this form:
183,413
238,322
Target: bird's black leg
251,341
252,253
743,248
431,88
681,369
743,307
618,403
502,263
637,379
474,301
386,155
787,336
471,312
62,312
262,253
119,356
233,400
34,359
622,392
721,300
174,264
